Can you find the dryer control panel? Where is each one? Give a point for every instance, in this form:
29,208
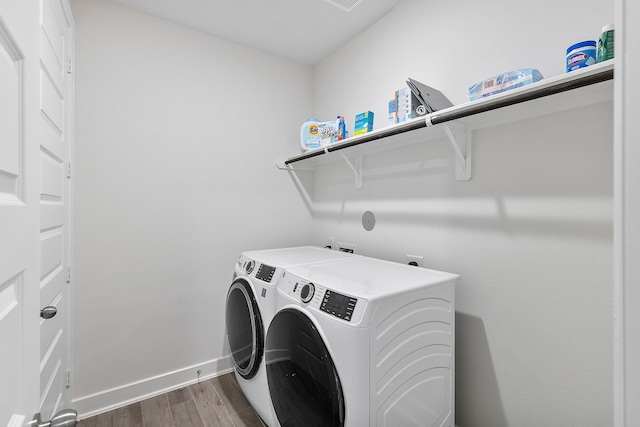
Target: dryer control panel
338,305
331,302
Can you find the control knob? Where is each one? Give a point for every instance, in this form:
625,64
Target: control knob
307,291
249,267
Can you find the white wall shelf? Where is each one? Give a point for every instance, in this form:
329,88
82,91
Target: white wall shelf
579,88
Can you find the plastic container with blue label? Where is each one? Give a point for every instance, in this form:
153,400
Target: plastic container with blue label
581,55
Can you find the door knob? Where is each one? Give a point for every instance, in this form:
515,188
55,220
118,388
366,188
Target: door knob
48,312
64,418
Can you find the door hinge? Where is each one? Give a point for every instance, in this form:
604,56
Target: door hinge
67,379
69,65
69,169
69,274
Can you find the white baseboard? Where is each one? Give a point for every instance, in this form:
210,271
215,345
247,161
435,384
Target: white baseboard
107,400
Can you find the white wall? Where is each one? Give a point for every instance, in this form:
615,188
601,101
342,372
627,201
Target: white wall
176,132
530,233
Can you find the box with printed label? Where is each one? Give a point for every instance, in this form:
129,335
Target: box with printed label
408,106
364,123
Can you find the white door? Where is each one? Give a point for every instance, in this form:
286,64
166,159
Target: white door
36,40
19,212
55,130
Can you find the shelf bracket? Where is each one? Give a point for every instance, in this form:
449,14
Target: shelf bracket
357,169
281,165
306,197
462,150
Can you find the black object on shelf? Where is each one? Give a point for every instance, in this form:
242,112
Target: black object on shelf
505,99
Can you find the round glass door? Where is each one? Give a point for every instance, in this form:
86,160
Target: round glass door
244,328
303,381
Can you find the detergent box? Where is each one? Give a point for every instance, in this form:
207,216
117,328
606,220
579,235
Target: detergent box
364,123
393,115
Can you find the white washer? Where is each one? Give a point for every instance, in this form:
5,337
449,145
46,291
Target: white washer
362,343
250,306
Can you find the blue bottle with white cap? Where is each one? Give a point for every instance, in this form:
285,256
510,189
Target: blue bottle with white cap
581,55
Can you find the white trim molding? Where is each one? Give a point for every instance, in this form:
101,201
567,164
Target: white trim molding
627,215
107,400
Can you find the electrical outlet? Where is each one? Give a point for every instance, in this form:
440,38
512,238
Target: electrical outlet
415,260
347,247
331,243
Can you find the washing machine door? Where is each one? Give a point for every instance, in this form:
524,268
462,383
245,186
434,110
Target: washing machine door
303,382
244,328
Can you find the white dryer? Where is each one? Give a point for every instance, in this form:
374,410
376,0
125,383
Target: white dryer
250,306
362,343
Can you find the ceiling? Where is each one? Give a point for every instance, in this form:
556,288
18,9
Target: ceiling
304,31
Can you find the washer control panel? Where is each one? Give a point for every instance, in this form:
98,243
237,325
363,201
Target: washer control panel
256,269
265,273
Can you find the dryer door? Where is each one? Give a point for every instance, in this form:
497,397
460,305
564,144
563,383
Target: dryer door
303,382
244,328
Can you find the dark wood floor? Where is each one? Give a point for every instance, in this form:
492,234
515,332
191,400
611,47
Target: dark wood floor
217,402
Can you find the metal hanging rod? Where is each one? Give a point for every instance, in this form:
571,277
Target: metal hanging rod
528,93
